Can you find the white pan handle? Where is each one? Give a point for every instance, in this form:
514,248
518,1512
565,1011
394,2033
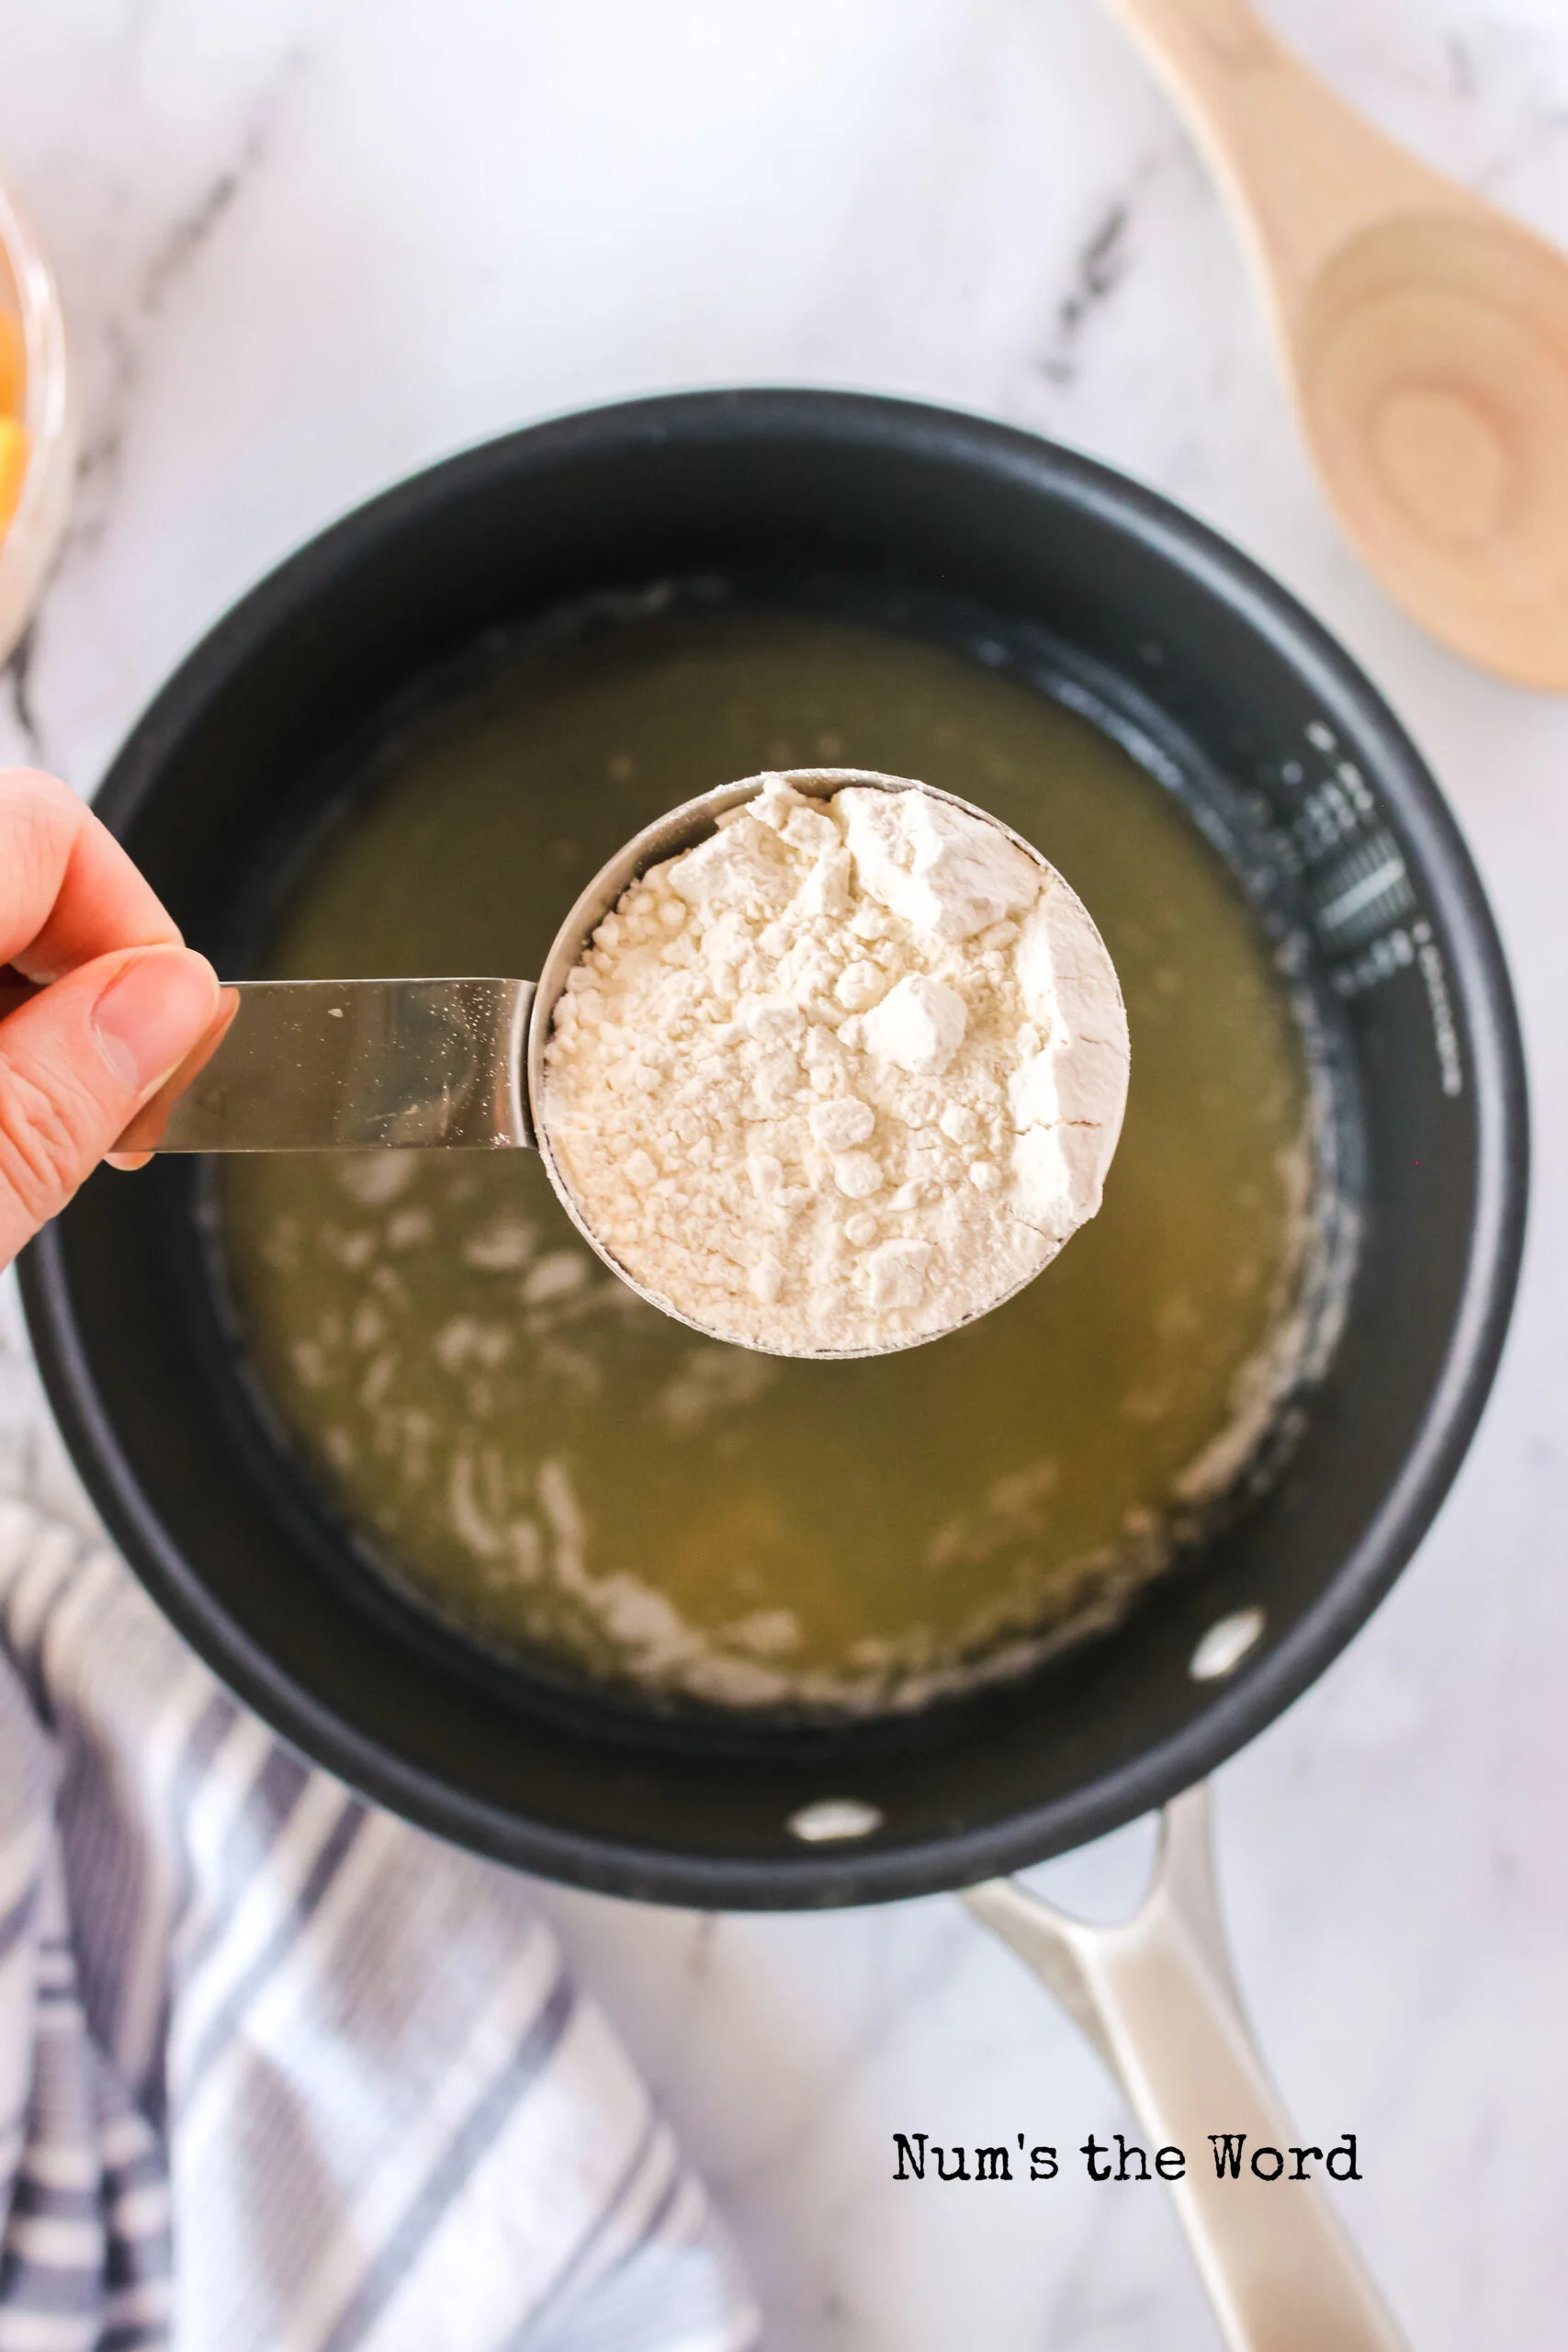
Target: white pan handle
1157,1997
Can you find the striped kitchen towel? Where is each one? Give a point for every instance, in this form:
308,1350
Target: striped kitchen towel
278,2073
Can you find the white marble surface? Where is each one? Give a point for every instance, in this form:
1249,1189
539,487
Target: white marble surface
309,244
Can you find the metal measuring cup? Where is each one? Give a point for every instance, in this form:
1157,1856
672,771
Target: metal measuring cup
451,1065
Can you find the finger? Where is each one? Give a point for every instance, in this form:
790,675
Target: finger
135,1146
78,1060
68,892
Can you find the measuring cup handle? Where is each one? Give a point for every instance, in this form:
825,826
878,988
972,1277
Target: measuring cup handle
1157,1997
354,1066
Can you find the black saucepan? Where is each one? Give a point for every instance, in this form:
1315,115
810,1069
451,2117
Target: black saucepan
1234,697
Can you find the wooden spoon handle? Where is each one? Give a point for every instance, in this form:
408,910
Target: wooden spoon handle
1303,169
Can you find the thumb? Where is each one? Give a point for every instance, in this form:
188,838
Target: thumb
77,1060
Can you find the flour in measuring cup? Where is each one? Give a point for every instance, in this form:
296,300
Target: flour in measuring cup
844,1075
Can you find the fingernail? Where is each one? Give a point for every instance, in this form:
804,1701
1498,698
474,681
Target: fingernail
151,1014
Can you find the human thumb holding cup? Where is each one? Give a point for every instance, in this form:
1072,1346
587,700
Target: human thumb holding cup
100,1001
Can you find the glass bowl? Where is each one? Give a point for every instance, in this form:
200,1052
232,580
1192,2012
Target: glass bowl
30,300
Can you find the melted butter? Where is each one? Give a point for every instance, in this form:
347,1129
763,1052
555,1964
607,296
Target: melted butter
563,1472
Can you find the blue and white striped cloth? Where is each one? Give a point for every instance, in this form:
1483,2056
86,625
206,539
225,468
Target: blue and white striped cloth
278,2073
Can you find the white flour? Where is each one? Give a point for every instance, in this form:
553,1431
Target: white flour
844,1075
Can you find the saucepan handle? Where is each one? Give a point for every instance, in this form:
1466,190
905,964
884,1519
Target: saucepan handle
1157,1997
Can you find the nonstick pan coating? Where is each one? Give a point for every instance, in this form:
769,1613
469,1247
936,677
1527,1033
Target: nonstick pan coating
1214,673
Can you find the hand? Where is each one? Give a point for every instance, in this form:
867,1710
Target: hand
125,1004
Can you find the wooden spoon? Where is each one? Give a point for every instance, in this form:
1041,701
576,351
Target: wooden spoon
1425,336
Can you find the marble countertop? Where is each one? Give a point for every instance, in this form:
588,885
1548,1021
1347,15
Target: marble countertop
308,245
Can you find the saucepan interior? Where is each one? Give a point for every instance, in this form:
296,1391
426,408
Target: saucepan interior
936,525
